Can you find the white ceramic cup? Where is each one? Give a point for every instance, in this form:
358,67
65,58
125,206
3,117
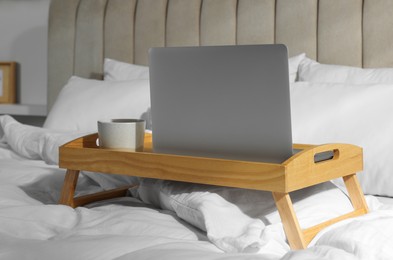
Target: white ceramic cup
122,134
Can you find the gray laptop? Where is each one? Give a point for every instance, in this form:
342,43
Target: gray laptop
228,102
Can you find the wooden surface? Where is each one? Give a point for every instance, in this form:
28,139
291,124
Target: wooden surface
296,173
311,232
69,185
355,192
289,220
9,85
84,154
104,195
303,171
299,238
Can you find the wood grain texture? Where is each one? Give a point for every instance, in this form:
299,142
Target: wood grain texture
311,232
68,190
355,192
299,238
303,172
181,168
296,173
83,153
103,195
289,220
8,95
67,196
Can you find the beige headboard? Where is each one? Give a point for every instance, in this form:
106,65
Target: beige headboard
83,32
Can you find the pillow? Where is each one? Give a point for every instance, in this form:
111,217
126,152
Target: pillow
117,70
312,71
82,102
349,113
293,65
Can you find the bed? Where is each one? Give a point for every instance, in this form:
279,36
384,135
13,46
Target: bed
341,78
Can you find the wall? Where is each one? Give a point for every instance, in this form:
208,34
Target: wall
23,38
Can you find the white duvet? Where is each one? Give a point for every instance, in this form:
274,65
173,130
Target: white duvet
245,224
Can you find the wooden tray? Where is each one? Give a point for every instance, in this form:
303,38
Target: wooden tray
296,173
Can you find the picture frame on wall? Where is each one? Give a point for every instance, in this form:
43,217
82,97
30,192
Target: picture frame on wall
7,82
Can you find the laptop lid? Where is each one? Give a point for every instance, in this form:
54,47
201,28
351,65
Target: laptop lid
227,102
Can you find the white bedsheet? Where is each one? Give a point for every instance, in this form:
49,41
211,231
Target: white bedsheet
32,226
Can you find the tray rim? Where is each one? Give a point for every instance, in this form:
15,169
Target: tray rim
299,171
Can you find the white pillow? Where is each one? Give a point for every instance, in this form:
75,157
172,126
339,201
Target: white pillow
293,65
82,102
117,70
312,71
349,113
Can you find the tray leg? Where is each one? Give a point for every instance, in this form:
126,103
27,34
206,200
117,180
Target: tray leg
299,238
289,220
355,193
103,195
68,198
68,190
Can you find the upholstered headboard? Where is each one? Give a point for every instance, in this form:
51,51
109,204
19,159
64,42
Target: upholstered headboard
83,32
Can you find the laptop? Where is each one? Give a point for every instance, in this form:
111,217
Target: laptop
229,102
